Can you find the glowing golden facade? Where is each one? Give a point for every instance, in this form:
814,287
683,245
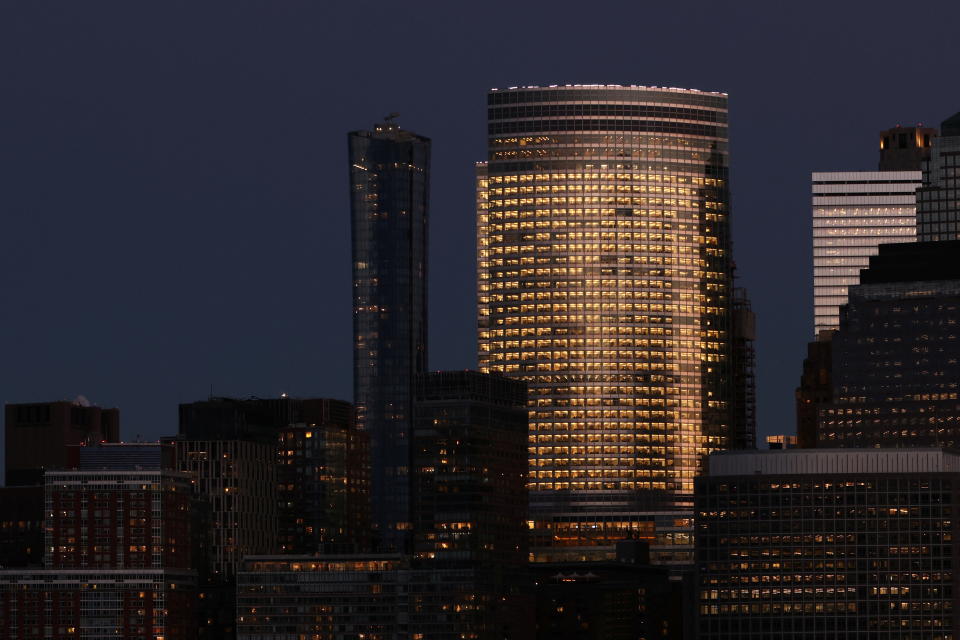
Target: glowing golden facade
604,277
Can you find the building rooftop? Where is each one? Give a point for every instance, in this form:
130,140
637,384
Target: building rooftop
608,86
832,462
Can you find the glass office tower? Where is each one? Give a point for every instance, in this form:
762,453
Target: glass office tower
854,212
604,281
389,184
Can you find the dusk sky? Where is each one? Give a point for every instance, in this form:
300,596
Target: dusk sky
173,175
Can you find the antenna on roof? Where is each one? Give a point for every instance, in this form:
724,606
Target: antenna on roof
390,118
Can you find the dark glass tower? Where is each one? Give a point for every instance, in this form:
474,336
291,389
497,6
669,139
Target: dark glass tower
389,183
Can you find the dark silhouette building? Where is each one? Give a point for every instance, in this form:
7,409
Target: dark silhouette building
905,148
39,433
323,481
828,544
896,357
622,599
938,202
470,507
467,576
389,187
816,388
21,526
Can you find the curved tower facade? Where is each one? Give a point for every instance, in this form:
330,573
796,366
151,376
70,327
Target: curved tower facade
604,282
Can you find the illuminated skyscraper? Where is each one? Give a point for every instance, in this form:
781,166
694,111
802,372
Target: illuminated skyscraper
854,212
604,282
389,184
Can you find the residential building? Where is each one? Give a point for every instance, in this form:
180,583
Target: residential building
895,370
938,199
323,481
38,435
828,544
604,282
389,189
119,551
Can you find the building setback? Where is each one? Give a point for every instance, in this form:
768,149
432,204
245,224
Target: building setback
604,282
389,189
828,544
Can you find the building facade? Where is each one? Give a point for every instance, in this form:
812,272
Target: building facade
389,189
853,213
896,356
604,282
335,597
828,544
470,507
938,199
119,551
323,481
38,435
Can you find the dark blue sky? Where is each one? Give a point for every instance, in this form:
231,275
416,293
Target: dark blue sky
173,179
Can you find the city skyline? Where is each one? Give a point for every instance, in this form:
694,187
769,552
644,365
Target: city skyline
139,226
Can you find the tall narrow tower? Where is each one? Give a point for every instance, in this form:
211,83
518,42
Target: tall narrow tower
389,184
604,281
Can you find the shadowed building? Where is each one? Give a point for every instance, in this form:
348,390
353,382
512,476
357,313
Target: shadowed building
389,187
470,507
816,388
622,599
323,487
39,433
604,282
896,356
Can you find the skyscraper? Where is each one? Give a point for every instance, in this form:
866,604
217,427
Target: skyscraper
938,200
853,213
389,186
604,281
